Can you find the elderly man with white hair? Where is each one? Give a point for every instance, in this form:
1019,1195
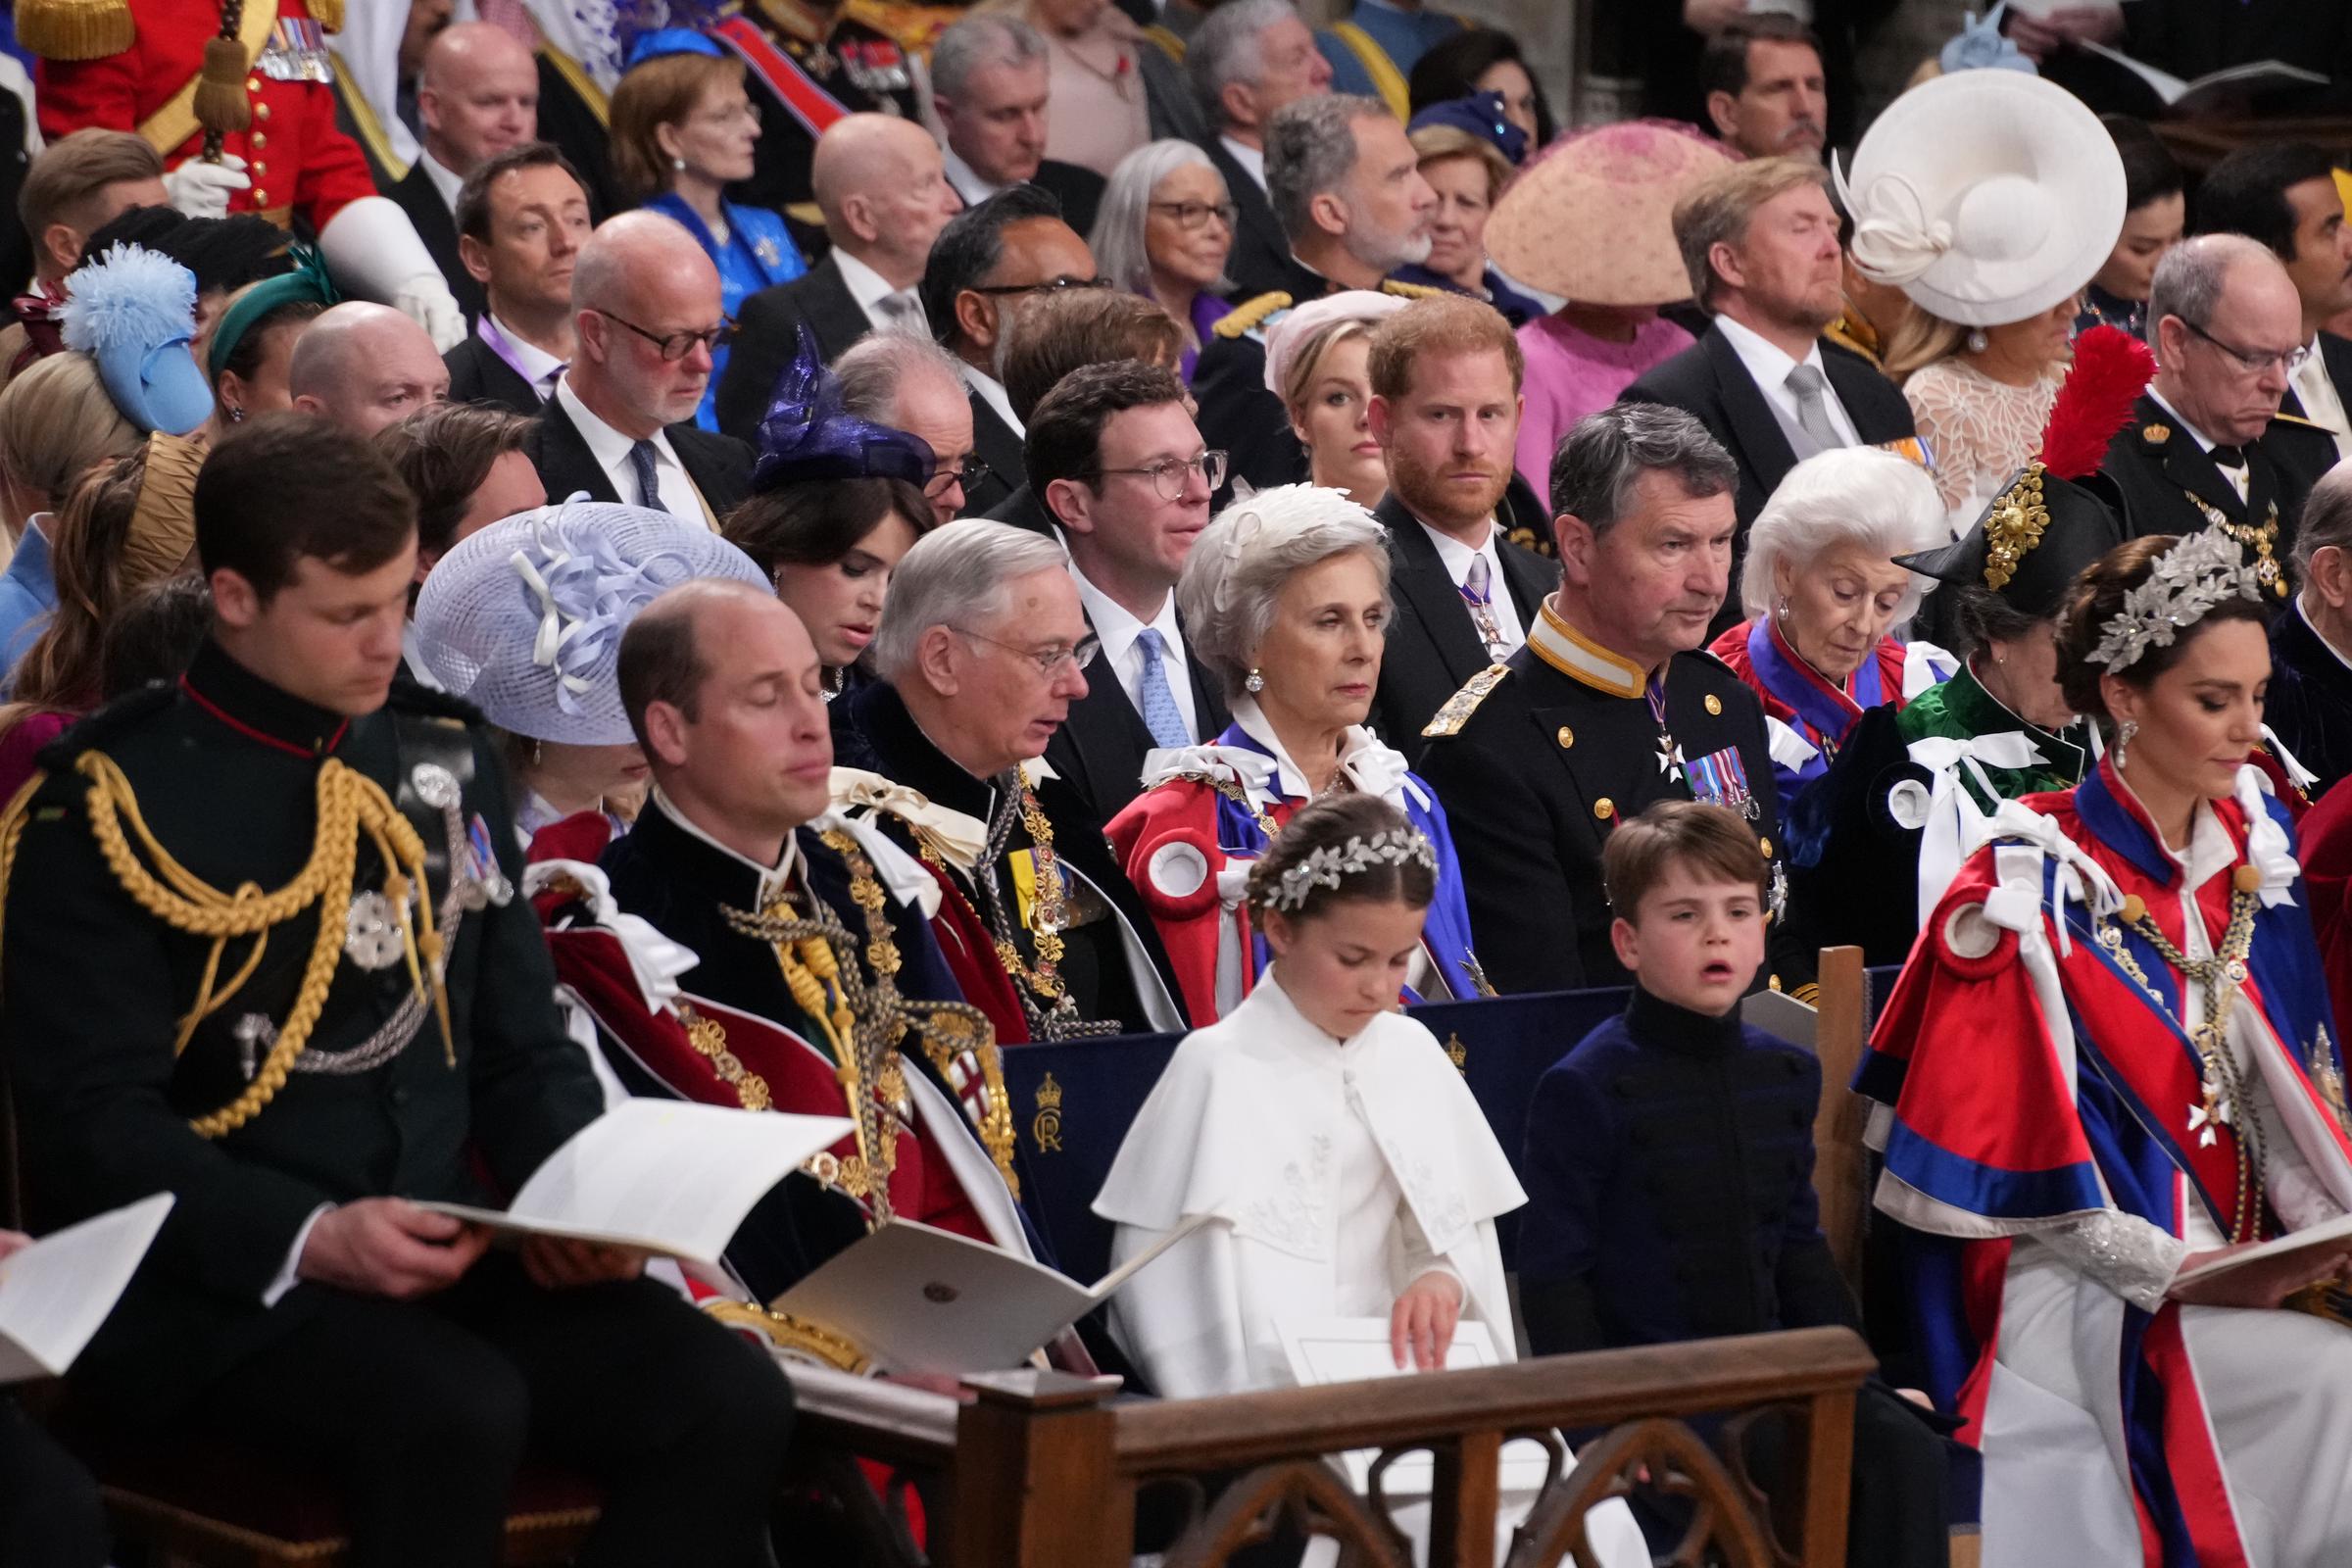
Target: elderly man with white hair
1821,590
990,86
984,649
911,383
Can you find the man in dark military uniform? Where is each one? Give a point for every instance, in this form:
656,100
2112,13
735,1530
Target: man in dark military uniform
298,1063
1611,704
1348,234
808,65
2205,444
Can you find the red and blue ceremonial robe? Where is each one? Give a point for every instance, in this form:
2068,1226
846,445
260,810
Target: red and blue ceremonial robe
1807,714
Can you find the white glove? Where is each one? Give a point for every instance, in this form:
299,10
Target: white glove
198,189
372,251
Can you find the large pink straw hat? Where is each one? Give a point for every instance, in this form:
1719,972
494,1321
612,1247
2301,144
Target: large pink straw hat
1593,220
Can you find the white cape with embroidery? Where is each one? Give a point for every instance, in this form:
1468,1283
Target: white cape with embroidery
1346,1170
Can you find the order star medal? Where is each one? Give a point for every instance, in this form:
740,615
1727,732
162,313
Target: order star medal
2207,1120
1670,756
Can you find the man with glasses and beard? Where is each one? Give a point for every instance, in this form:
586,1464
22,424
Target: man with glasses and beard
1445,375
2201,450
645,302
983,653
1347,188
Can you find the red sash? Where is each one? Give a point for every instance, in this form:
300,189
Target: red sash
783,76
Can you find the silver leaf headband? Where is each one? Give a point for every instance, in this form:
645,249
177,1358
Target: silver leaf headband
1334,863
2203,570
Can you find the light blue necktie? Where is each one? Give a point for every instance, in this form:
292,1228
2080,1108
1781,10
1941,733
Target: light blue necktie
1161,716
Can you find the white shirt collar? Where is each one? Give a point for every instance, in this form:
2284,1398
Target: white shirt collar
541,366
2205,443
1457,555
1768,364
773,879
607,446
2313,627
1116,629
993,392
443,181
965,179
1252,159
866,287
1371,765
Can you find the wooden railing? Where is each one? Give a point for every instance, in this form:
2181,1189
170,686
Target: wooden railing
1040,1470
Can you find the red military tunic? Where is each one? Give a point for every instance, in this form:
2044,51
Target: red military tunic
297,161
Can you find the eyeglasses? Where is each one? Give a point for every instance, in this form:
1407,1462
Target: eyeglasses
1051,285
2288,360
1049,660
676,346
1169,474
1193,214
967,473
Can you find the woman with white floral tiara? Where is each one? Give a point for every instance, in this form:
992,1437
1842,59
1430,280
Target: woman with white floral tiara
1285,596
2112,1081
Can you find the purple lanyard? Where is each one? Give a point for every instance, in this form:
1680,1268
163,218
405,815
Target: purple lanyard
504,346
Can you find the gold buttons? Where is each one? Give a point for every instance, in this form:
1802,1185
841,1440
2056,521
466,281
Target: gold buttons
1765,845
1714,705
260,168
253,85
259,140
1565,736
261,198
1604,807
261,111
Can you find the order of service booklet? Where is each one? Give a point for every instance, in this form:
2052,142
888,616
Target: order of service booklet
56,1292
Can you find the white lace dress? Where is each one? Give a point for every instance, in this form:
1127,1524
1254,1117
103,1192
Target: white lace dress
1979,430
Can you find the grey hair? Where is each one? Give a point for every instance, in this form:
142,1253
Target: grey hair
877,365
2327,518
981,39
1121,253
955,575
1240,563
2190,280
1604,455
1310,150
1847,496
1224,50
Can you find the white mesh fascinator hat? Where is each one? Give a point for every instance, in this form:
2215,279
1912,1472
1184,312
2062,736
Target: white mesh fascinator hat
523,619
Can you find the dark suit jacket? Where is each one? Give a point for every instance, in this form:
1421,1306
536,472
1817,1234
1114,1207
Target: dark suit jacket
1024,508
767,325
1645,40
1078,188
719,466
2158,467
1100,748
1708,379
478,376
2309,702
995,443
1434,647
1260,262
437,226
577,125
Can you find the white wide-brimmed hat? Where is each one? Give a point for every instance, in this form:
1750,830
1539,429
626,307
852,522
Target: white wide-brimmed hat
524,618
1987,196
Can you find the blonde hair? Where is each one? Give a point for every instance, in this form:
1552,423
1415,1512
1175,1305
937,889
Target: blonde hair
1308,360
662,91
55,422
1437,143
1919,340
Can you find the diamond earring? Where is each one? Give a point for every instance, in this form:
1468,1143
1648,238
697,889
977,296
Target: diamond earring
2123,739
1254,684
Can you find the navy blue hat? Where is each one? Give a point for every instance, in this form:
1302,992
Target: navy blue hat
807,433
1481,115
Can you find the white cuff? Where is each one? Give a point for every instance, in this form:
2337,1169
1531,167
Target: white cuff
289,1273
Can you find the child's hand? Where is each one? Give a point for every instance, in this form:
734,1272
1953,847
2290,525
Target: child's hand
1421,1323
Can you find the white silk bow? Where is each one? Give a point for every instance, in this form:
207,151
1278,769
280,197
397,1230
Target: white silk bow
1955,825
959,838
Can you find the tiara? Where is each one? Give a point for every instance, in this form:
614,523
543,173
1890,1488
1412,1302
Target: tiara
2203,570
1334,863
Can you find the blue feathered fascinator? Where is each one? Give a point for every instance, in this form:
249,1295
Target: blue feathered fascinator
808,435
133,311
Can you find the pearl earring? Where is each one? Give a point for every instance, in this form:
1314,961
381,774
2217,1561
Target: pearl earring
2123,739
1779,608
1254,684
678,163
1978,342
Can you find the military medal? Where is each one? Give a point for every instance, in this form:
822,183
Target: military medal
1670,753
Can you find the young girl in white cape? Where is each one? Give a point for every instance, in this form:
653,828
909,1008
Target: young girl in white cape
1355,1174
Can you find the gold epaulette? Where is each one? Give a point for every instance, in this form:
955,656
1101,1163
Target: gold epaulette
1409,291
1165,38
329,14
1245,317
75,29
1458,708
2297,419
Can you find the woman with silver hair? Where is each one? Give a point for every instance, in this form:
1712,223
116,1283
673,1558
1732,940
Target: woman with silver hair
1164,230
1286,599
1822,591
523,619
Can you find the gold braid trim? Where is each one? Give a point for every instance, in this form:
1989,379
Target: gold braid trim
349,803
813,976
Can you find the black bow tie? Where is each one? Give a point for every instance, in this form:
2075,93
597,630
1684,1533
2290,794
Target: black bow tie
2229,457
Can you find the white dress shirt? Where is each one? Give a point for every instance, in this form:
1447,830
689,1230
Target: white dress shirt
1457,557
871,288
965,179
443,181
1768,365
535,365
2322,404
1117,631
993,392
1252,159
611,449
2240,478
